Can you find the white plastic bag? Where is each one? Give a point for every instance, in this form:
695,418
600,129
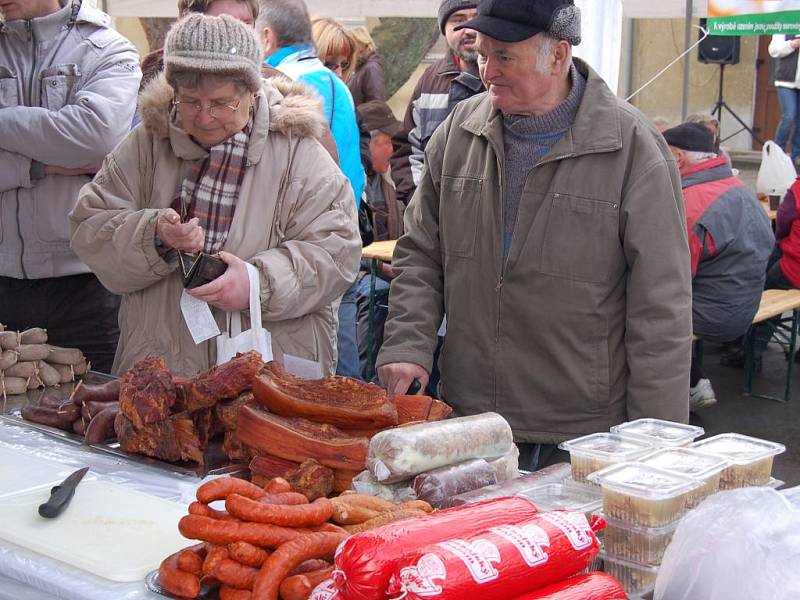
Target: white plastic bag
777,172
742,544
255,338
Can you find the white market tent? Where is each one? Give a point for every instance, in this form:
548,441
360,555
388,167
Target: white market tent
602,19
399,8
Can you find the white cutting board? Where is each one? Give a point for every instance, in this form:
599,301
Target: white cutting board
108,530
20,472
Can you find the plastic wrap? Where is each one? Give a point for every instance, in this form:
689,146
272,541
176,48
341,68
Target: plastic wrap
366,561
365,483
512,487
741,544
507,466
402,453
326,590
436,486
591,586
49,578
499,562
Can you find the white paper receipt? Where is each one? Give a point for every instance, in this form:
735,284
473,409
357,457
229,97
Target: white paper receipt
198,318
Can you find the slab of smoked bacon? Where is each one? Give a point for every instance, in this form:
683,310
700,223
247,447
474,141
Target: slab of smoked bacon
147,392
227,380
341,401
300,439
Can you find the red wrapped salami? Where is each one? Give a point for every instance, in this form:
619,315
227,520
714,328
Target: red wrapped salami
592,586
365,562
500,562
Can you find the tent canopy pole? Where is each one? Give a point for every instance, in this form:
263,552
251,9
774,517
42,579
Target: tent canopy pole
687,61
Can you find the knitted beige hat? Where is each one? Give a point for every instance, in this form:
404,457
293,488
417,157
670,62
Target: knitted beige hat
219,45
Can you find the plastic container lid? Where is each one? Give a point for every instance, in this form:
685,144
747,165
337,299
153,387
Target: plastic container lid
644,481
739,449
564,496
608,446
660,432
686,461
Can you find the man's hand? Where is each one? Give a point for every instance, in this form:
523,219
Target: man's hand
387,271
231,290
795,43
56,170
187,237
397,377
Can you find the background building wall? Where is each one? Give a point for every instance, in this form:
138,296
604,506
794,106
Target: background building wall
656,42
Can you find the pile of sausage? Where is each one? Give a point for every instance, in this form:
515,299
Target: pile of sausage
28,362
90,411
268,543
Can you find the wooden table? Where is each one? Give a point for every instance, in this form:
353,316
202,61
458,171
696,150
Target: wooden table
375,252
380,251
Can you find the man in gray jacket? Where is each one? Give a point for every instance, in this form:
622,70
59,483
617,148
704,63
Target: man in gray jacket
68,85
549,225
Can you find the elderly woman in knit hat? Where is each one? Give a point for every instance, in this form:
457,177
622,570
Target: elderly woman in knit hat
225,165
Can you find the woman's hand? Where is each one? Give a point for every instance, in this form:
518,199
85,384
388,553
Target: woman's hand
187,237
231,290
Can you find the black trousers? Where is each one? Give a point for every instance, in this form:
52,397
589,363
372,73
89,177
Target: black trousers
77,311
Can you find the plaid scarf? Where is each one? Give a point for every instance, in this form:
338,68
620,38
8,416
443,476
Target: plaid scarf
211,188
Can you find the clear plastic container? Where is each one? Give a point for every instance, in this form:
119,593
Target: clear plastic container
565,496
687,461
750,458
645,545
660,433
637,579
597,451
643,495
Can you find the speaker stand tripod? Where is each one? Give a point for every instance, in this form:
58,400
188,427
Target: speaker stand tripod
720,104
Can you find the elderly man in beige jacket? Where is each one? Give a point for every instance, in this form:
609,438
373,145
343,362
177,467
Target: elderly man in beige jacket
549,226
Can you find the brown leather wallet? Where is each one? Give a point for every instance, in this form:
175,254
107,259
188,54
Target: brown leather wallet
200,269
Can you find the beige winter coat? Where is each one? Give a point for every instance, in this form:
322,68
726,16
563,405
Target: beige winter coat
295,221
588,322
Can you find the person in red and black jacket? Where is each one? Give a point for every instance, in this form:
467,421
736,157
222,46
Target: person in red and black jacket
730,239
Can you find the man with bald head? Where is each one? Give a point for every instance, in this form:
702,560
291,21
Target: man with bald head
549,226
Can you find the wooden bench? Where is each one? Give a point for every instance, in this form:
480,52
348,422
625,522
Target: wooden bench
774,304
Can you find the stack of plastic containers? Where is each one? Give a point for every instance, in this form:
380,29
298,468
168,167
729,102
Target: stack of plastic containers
750,458
650,472
593,452
643,505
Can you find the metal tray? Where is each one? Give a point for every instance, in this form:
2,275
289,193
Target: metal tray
11,406
216,463
153,585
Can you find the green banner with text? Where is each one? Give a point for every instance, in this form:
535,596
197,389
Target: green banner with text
787,23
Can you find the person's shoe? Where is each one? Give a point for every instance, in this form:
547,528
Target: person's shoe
701,396
736,359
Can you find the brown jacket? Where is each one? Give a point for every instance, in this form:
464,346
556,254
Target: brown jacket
588,322
295,220
367,83
440,88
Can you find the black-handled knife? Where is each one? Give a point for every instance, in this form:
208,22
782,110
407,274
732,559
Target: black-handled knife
61,495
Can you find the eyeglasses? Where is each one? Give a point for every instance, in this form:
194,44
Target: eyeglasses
333,66
216,110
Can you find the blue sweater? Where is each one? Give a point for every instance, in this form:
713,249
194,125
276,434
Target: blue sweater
300,62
